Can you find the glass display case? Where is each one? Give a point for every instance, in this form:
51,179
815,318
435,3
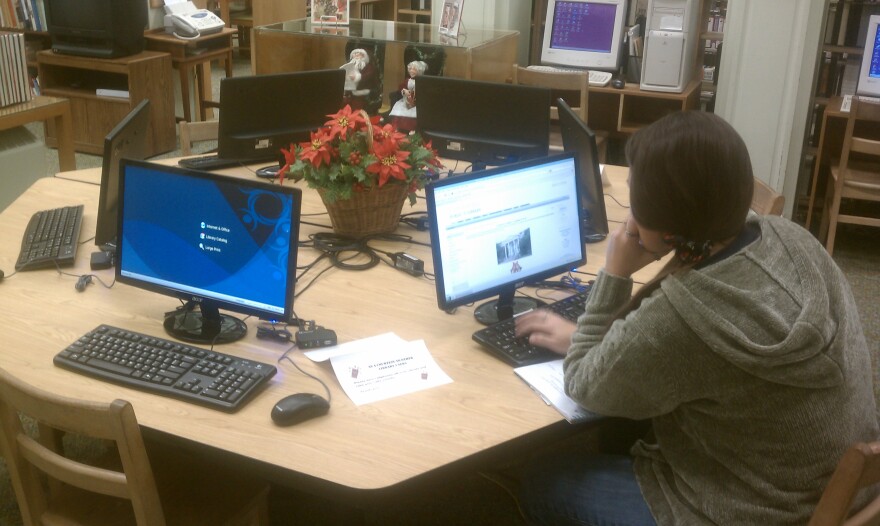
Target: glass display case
299,45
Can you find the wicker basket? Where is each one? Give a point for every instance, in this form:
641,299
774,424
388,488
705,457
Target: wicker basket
373,212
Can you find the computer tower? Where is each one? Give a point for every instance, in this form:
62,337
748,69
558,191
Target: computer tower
670,45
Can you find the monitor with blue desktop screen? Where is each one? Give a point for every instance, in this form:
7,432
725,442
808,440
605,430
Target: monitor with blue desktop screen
584,33
485,123
869,74
496,230
215,242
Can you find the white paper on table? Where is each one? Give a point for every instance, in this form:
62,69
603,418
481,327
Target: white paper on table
392,370
547,379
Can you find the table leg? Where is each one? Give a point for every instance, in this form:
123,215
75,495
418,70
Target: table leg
185,76
203,89
64,125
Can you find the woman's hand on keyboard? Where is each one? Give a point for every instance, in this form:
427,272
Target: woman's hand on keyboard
546,329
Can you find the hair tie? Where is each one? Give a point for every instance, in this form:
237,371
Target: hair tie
687,251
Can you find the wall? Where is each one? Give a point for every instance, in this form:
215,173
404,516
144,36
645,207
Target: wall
765,83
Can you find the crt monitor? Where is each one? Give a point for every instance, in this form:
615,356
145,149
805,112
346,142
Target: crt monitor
128,140
869,74
578,138
260,114
215,242
496,230
584,33
96,28
485,123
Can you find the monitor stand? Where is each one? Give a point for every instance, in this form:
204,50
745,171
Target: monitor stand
506,306
203,323
268,172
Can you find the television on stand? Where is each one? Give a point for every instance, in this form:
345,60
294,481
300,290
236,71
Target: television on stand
97,28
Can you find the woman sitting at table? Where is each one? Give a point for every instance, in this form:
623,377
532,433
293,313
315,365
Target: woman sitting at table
745,352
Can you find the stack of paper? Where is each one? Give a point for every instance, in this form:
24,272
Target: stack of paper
546,379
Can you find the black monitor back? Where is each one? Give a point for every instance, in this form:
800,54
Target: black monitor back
579,138
261,114
483,122
127,140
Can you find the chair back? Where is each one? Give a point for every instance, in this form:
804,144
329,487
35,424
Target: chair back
857,176
858,468
766,200
29,459
574,82
193,132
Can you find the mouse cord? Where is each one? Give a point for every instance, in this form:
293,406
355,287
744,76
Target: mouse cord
300,369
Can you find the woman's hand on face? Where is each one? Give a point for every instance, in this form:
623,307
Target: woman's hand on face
627,252
546,329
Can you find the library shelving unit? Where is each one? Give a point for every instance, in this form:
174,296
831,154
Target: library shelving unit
146,75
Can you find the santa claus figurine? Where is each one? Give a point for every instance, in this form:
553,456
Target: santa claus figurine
403,113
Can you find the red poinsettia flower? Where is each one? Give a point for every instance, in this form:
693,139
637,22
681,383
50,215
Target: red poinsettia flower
289,159
342,122
388,133
389,162
435,157
318,150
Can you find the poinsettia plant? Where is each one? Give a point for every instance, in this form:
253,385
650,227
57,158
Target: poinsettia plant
353,152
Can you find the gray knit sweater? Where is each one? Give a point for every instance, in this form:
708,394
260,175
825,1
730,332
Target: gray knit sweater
754,371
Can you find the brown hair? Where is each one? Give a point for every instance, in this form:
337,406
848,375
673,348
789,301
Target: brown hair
691,177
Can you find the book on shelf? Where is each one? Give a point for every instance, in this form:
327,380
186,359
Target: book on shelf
15,83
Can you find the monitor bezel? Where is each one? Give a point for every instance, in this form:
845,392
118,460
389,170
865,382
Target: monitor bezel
591,176
211,302
869,85
508,287
127,140
609,61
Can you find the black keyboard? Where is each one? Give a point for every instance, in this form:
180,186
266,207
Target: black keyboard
51,238
501,340
169,368
210,162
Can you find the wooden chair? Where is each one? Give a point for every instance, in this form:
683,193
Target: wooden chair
576,83
858,468
857,176
765,200
156,489
192,132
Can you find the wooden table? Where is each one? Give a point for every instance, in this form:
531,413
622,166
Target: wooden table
356,452
191,57
48,109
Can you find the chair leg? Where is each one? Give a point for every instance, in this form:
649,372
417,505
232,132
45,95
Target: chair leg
831,212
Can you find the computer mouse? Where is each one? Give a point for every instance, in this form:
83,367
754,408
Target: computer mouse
268,172
618,83
82,282
298,407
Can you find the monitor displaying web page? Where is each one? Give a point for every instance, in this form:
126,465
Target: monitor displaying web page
496,230
213,241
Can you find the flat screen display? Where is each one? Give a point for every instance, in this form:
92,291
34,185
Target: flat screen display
215,241
496,230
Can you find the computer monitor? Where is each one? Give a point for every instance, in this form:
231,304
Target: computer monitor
260,114
584,33
215,242
496,230
485,123
128,140
578,138
869,74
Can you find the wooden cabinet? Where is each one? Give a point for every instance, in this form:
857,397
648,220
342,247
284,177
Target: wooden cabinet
146,75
